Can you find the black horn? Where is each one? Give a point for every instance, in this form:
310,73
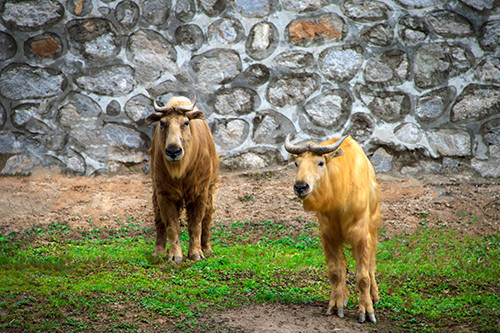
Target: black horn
321,150
292,149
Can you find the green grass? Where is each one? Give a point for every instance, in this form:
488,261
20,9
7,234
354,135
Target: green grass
58,279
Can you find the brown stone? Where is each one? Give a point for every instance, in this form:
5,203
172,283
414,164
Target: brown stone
307,30
78,6
45,47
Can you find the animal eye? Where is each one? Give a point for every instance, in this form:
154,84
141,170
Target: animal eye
186,123
321,163
162,124
296,164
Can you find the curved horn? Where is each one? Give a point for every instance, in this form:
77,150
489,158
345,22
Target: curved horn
321,150
161,108
187,108
292,149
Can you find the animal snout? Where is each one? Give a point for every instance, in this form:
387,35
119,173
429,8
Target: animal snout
300,188
173,152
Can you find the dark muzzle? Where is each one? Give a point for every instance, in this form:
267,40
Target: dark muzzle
300,188
173,153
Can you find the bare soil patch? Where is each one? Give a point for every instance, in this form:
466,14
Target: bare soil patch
467,205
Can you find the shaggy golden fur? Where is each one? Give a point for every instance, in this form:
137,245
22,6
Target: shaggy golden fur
189,180
343,192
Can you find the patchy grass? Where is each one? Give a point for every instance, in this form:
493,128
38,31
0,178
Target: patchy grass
63,280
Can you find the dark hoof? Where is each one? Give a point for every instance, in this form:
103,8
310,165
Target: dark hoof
340,311
371,317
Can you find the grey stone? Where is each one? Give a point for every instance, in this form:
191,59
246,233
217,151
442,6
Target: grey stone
389,68
235,101
435,63
122,136
94,38
184,10
291,89
115,80
255,8
19,81
433,104
43,47
431,166
213,7
138,108
256,74
360,10
113,108
341,63
226,31
155,12
271,127
3,116
381,160
217,66
481,5
294,60
9,143
379,35
303,5
489,36
491,132
361,127
409,133
476,102
411,170
421,3
316,30
31,15
488,70
329,111
229,133
127,14
253,158
152,55
412,29
450,142
8,46
449,24
262,40
387,105
28,116
491,166
189,36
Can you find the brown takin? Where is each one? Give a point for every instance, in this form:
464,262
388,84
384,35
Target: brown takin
184,169
336,180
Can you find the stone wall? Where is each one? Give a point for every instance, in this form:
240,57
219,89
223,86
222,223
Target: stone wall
417,82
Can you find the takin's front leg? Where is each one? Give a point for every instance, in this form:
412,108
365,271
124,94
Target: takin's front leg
195,213
168,226
363,252
335,260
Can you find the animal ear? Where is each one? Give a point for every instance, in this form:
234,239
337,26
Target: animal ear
153,118
195,115
335,153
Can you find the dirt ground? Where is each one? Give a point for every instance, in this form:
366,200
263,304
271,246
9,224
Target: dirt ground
465,204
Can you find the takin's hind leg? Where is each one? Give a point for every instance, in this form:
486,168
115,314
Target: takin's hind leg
362,252
335,260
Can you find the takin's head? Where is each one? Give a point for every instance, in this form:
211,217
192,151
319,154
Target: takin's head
311,161
173,130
